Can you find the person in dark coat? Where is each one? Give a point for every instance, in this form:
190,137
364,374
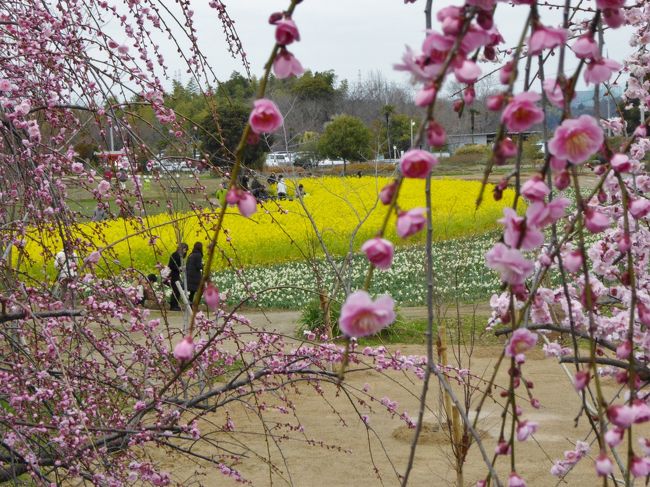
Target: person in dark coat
194,269
176,268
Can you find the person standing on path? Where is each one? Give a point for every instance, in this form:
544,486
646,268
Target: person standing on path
282,188
194,269
176,268
65,262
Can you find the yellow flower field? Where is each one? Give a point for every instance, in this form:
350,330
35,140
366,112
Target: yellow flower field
281,231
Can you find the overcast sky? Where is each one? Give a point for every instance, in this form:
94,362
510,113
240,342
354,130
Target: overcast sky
351,37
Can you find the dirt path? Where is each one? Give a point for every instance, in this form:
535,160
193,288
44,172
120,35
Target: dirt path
321,441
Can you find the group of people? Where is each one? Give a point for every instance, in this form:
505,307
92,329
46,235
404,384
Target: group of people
248,181
185,273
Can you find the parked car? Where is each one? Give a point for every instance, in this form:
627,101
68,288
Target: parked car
274,159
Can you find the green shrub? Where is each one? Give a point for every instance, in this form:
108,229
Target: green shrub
312,317
473,149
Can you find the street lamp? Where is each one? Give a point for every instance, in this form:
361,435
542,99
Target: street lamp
412,124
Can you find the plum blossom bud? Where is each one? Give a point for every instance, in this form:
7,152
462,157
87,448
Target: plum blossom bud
184,349
506,71
613,17
644,313
495,103
275,17
93,258
458,105
624,350
211,296
387,192
417,163
469,95
502,448
103,187
562,180
232,197
515,480
623,243
286,32
603,465
379,252
411,222
505,150
247,204
581,380
614,436
557,164
621,163
525,429
436,135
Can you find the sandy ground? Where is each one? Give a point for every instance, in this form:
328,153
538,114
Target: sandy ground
336,449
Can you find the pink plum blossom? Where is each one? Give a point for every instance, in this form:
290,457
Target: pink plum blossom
535,189
621,415
581,380
525,429
286,32
211,296
521,341
640,467
425,96
522,112
286,65
468,72
640,207
514,226
387,192
411,222
545,38
603,465
417,163
379,252
600,71
577,139
184,349
94,257
103,187
265,117
247,204
623,350
5,85
512,266
77,167
596,221
361,316
572,261
585,47
614,436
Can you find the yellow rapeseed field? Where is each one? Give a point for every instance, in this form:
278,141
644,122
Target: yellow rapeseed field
345,211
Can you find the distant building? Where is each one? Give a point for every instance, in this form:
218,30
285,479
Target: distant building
454,141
